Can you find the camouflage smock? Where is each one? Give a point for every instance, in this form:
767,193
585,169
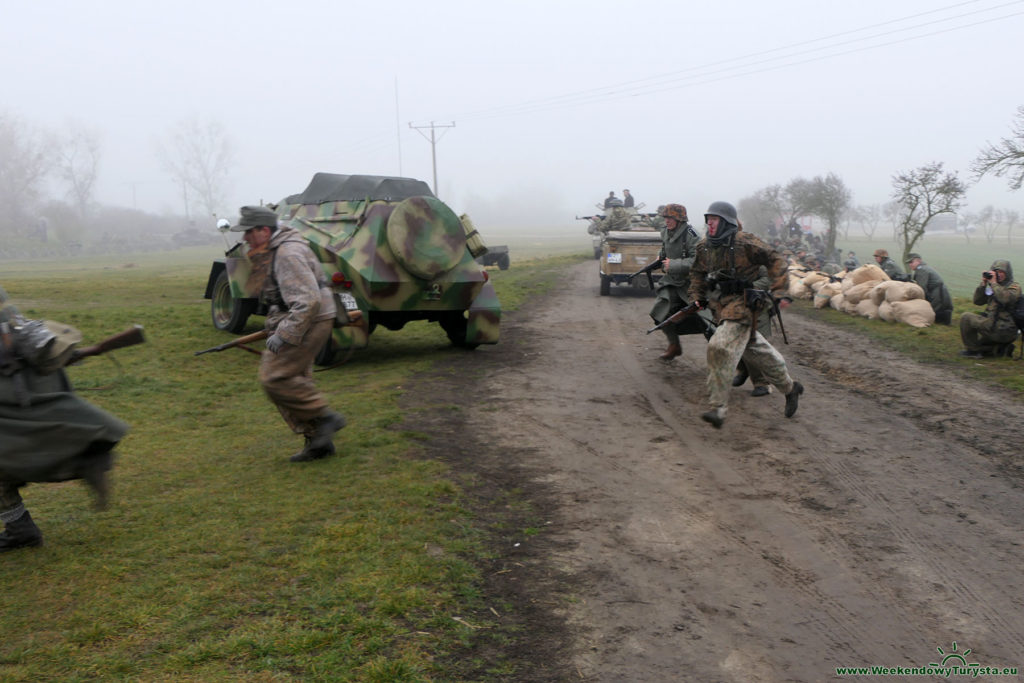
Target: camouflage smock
1001,302
618,219
742,258
297,293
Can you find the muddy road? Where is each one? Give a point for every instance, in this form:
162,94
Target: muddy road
881,526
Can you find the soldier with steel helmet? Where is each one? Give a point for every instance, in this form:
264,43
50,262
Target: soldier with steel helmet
727,262
679,240
617,218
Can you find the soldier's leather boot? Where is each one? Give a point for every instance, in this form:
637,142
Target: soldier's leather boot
94,474
21,533
714,417
741,375
761,391
309,453
793,399
324,428
671,352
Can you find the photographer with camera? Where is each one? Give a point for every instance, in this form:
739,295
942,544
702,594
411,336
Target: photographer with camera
992,333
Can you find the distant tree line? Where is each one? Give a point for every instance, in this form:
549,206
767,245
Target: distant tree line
918,197
48,182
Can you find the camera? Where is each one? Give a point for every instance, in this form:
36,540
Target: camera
988,274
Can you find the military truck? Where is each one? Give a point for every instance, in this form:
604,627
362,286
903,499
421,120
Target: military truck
624,252
390,249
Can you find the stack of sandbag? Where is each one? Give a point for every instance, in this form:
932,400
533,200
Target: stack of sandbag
890,293
797,289
857,287
826,293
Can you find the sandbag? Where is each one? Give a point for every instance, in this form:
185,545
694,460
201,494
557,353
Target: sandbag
878,292
867,308
903,291
862,291
837,301
916,312
885,312
797,290
824,295
814,278
866,273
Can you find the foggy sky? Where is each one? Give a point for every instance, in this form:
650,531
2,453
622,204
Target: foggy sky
554,103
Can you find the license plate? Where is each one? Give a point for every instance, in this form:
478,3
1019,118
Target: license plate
348,301
615,257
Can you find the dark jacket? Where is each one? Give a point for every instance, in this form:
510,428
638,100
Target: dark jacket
1000,302
935,290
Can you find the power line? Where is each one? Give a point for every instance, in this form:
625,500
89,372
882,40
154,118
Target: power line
638,87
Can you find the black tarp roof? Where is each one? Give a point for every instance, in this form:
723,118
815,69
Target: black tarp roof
335,187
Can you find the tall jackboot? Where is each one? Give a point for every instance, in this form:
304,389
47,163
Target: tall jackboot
324,428
21,533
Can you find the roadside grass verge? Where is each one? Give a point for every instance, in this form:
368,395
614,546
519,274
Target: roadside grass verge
219,560
938,344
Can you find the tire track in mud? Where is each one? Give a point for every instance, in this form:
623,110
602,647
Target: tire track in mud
772,549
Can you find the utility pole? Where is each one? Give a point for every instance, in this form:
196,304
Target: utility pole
433,142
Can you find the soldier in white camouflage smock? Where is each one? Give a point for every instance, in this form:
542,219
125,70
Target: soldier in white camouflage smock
299,323
726,264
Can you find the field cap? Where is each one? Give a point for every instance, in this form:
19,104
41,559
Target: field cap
254,217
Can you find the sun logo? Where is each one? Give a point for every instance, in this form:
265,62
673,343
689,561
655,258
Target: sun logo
953,654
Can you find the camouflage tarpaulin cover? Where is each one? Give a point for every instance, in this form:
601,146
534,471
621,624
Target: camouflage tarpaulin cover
335,187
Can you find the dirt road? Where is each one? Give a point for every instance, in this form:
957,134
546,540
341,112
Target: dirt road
881,526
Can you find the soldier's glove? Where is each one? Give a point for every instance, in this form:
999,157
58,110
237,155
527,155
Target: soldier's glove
275,342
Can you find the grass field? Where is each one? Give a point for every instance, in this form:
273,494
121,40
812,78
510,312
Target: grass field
218,559
221,561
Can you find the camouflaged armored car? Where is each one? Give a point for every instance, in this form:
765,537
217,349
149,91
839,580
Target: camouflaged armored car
392,252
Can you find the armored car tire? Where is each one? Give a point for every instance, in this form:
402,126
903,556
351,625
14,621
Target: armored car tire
228,313
606,285
455,326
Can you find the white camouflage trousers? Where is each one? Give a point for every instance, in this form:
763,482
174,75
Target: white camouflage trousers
730,343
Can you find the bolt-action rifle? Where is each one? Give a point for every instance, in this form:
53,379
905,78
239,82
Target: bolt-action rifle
129,337
677,316
239,342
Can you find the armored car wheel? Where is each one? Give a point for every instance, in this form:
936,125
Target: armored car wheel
606,285
228,313
455,326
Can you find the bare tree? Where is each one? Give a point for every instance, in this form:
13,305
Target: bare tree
758,216
988,220
922,194
870,217
1011,218
78,165
1005,158
26,158
199,156
828,198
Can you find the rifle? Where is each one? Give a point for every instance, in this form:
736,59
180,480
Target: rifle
647,270
588,218
240,342
129,337
677,316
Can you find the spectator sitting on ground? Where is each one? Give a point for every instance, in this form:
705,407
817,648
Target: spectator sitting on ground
993,332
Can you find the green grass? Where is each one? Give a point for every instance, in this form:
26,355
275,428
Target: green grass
219,560
938,344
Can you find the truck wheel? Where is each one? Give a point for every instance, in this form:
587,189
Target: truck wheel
228,313
606,285
503,262
455,325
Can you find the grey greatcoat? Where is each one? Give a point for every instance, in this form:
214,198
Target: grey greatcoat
678,246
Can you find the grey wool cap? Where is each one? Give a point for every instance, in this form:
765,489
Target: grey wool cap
254,217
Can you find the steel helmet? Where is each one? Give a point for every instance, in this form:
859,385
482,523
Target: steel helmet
725,211
614,202
677,211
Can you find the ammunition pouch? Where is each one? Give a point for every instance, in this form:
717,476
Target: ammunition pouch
727,286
